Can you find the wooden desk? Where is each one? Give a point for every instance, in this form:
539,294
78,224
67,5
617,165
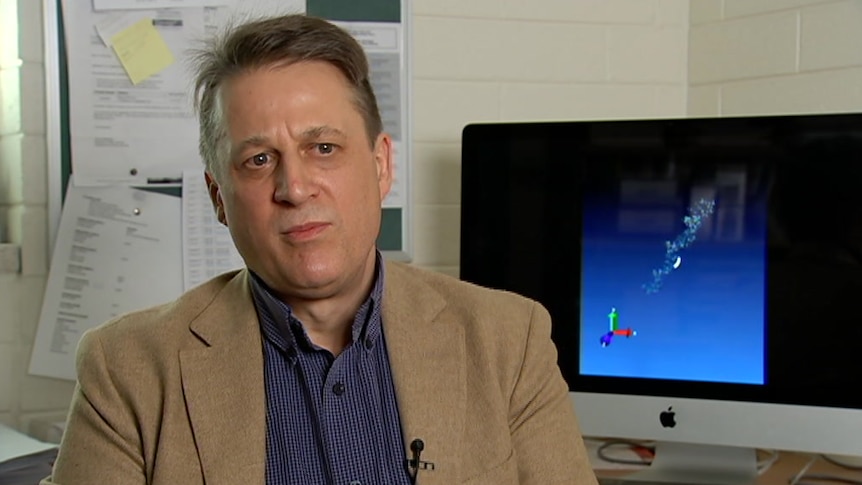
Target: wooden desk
789,464
782,471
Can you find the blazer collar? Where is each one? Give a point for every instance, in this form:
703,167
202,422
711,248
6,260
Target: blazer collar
222,378
223,384
427,354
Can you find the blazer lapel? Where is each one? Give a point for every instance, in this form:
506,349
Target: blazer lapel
427,355
224,388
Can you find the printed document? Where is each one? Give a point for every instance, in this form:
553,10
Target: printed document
118,249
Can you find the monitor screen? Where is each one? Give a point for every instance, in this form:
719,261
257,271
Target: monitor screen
702,274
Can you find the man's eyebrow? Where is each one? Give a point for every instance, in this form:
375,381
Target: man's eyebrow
253,140
316,132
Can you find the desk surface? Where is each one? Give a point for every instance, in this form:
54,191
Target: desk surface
788,465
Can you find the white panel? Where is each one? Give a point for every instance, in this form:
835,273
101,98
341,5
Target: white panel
437,170
821,92
10,263
45,394
438,229
8,352
22,169
741,8
535,102
744,48
704,101
34,164
30,34
458,8
32,292
8,26
831,36
582,11
647,54
673,12
671,101
10,169
32,98
9,302
445,48
28,226
10,107
702,11
442,108
490,50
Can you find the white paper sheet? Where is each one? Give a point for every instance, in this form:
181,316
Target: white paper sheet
137,4
146,133
14,444
110,25
255,8
118,249
382,44
208,249
123,133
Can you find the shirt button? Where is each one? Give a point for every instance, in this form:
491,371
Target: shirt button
355,482
338,388
368,343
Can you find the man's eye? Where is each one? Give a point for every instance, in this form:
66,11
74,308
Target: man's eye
325,148
259,159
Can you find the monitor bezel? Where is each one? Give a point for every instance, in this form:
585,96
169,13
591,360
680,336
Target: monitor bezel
750,415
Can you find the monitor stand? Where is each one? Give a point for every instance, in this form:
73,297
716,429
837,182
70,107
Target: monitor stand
699,464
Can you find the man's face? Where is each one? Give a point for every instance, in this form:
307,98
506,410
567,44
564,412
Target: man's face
301,189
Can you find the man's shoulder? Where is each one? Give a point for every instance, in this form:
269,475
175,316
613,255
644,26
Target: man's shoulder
461,295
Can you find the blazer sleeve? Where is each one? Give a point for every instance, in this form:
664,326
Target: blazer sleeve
101,443
548,444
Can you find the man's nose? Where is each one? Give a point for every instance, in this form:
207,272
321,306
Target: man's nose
294,181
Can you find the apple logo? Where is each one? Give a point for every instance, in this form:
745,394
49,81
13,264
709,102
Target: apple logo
668,418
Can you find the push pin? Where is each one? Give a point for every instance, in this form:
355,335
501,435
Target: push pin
136,211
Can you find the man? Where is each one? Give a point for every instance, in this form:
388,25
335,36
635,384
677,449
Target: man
320,362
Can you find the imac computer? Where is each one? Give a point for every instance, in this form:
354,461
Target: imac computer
704,276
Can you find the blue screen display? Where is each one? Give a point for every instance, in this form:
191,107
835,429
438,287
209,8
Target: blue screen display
673,288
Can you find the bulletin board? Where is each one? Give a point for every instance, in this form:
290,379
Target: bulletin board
80,152
123,168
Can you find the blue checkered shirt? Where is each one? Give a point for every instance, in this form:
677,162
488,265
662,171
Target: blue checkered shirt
329,420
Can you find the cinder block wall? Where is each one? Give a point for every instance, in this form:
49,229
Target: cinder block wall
474,60
23,213
774,56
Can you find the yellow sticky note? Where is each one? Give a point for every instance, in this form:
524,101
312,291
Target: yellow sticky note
142,50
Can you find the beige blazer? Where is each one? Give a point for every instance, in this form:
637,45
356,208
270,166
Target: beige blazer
174,395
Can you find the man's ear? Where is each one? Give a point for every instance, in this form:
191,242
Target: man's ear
215,197
383,161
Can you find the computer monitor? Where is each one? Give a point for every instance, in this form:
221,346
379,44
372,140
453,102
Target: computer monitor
704,276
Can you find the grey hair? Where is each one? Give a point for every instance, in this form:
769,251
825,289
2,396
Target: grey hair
277,41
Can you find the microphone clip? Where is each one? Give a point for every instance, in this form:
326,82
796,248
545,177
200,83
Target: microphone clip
414,462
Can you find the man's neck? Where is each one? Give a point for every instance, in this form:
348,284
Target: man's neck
328,328
329,322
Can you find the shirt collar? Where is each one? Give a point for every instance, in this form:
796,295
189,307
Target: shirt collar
277,320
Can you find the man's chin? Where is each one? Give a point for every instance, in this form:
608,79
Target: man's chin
312,285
